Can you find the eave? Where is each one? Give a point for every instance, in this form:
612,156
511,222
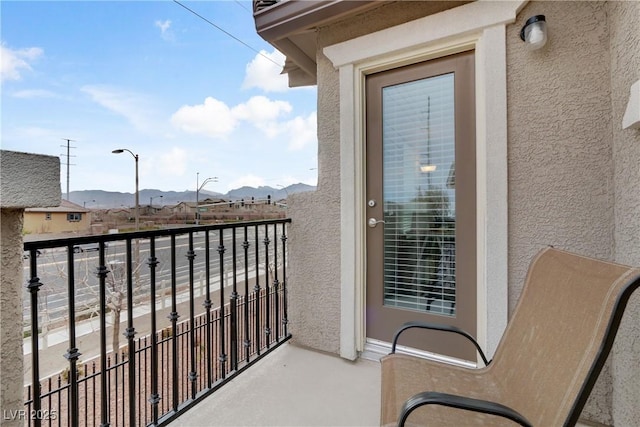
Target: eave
290,25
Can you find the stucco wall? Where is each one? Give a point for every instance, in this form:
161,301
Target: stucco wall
624,25
11,365
27,180
314,276
573,172
559,126
560,163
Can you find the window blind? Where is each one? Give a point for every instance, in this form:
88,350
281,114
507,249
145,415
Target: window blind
418,126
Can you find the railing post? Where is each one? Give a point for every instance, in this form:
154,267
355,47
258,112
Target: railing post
102,272
256,290
267,289
191,255
233,305
285,316
173,317
34,287
207,306
154,399
130,333
276,283
72,353
247,339
223,357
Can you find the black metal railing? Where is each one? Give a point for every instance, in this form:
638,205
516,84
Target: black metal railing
198,305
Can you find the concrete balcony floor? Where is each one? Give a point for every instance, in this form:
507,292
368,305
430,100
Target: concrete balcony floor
294,387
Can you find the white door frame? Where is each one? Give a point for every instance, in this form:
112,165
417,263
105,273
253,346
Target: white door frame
480,26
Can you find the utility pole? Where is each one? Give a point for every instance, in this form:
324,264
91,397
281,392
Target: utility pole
69,147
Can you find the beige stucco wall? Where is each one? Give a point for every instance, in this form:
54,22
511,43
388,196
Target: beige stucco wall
11,374
573,172
624,31
559,126
561,189
314,276
27,180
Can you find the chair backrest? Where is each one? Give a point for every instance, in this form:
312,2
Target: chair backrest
560,334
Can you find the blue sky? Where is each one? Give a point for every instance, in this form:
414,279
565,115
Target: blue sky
154,78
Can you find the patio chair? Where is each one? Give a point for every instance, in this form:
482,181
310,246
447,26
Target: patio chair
545,365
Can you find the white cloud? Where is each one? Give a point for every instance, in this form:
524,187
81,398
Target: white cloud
261,109
263,73
12,62
130,105
165,32
34,93
302,131
263,114
216,120
213,119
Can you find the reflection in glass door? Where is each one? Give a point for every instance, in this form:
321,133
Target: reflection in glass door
418,130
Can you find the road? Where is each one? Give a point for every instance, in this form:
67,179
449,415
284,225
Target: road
52,271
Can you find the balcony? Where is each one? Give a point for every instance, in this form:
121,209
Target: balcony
178,364
295,387
197,306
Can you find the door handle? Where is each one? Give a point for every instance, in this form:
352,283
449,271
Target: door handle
373,222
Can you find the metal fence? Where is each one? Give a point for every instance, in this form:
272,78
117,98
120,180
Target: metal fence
174,353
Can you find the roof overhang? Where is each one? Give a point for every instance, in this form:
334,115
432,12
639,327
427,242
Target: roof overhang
290,26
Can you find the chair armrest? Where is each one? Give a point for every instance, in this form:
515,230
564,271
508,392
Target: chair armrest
459,402
438,327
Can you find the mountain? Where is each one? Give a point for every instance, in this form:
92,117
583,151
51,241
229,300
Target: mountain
99,199
300,188
264,191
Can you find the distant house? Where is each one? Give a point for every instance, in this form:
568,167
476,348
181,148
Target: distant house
121,214
212,205
211,201
151,209
183,208
66,218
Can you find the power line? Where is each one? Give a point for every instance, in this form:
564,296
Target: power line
243,6
226,32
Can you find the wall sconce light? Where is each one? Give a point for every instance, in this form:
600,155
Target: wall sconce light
534,32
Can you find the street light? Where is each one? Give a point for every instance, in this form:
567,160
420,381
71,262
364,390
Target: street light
84,204
198,188
135,156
